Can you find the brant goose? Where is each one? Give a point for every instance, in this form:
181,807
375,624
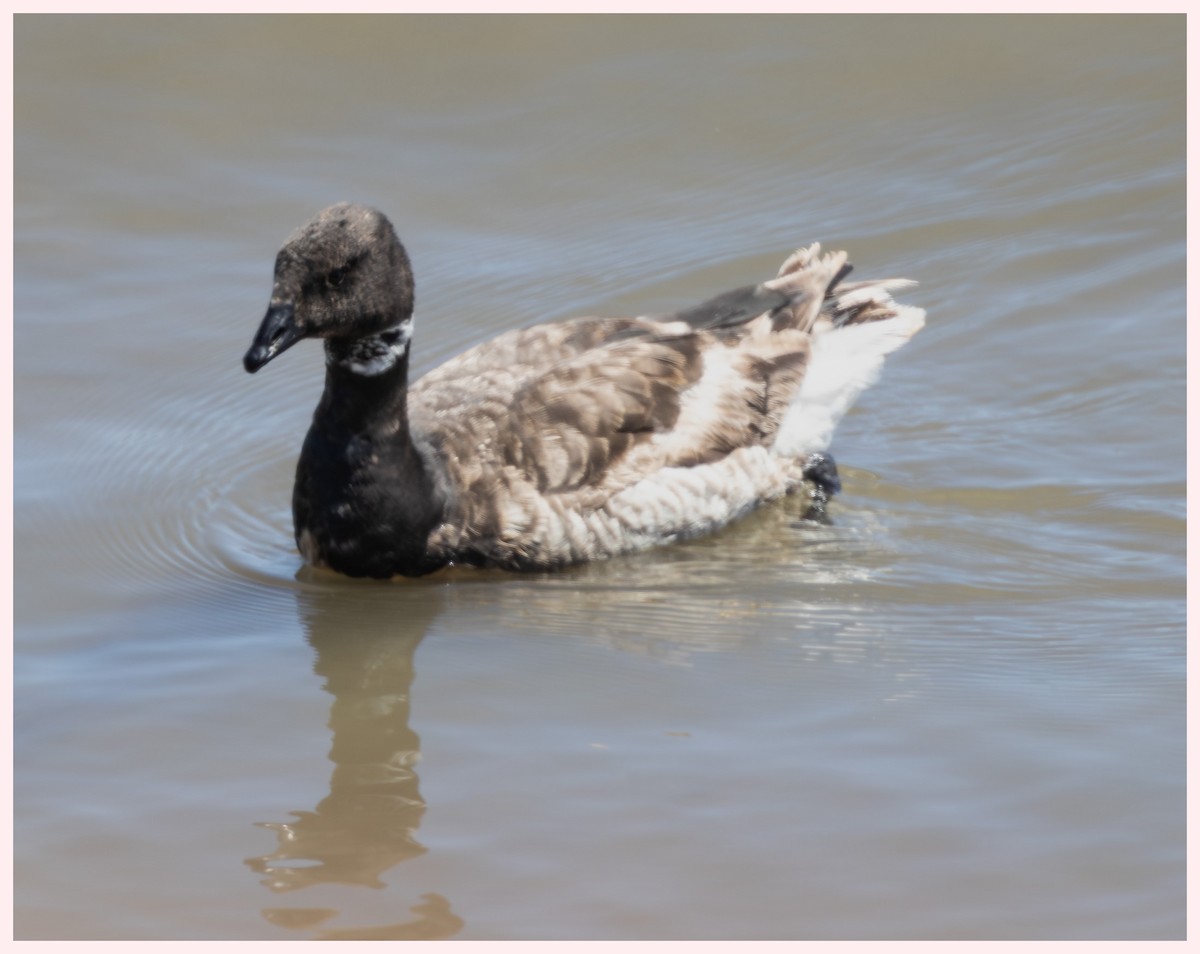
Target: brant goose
567,441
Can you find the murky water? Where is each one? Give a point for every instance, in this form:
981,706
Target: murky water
957,712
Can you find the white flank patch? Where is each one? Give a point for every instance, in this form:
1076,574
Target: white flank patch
701,404
844,363
684,502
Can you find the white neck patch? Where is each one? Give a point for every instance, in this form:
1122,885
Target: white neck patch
372,355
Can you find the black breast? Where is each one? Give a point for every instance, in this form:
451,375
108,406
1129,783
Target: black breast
364,502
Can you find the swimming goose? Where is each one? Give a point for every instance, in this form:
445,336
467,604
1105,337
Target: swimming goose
567,441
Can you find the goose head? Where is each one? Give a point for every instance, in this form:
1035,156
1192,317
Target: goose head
344,276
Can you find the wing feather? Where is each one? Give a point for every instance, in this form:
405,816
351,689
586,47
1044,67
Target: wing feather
559,426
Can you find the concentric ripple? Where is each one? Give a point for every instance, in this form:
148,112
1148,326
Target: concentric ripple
186,498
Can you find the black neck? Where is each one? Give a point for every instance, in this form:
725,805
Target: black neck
363,491
357,403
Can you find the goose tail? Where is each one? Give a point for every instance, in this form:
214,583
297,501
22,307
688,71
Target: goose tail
856,327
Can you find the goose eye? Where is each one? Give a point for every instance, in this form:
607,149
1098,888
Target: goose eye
337,276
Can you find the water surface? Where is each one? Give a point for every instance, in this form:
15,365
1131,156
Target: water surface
958,712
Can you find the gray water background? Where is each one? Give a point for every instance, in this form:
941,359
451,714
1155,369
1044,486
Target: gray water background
958,712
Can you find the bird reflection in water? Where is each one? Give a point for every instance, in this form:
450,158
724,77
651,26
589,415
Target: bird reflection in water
364,639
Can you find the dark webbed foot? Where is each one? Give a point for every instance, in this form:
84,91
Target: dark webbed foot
821,471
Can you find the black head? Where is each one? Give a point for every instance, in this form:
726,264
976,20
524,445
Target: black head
343,275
